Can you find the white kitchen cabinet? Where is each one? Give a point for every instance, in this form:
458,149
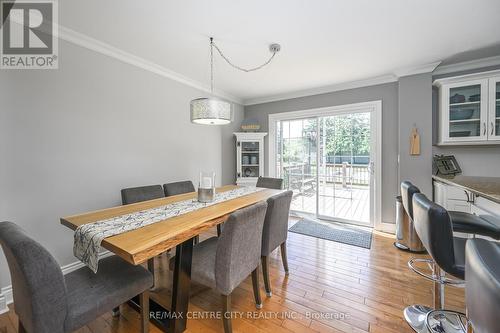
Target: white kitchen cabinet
455,198
451,197
439,193
249,157
458,205
494,108
488,210
477,210
486,206
469,109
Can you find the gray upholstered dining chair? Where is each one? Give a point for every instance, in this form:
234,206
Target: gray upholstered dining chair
176,188
275,233
222,263
267,182
143,193
46,301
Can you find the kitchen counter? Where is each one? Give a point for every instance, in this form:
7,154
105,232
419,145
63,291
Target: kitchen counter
486,187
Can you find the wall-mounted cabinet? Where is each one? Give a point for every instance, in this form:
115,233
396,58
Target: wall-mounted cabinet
469,109
494,107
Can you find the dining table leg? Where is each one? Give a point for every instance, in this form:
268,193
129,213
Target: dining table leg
173,320
181,286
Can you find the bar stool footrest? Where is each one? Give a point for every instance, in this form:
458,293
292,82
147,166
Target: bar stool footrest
413,264
446,321
415,316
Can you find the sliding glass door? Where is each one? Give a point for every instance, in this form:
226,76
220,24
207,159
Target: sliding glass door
327,161
297,161
344,176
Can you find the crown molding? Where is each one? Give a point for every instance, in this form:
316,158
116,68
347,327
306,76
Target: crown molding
82,40
98,46
420,69
466,77
323,90
467,65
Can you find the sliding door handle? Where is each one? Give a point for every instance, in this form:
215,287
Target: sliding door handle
371,168
484,129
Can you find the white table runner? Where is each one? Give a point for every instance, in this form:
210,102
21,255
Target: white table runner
88,237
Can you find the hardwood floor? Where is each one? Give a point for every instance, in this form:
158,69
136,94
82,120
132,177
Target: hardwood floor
332,287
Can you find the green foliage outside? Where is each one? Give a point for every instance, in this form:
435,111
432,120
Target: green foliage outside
347,135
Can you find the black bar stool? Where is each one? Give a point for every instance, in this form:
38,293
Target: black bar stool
434,227
413,243
482,289
462,222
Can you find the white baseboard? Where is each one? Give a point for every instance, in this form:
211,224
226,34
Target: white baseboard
3,304
6,296
387,227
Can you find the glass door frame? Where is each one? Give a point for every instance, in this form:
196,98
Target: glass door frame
375,108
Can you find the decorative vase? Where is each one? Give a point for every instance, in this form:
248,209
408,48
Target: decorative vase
206,187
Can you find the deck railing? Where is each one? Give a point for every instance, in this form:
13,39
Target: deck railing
339,173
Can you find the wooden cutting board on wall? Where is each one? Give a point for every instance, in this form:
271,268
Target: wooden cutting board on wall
414,142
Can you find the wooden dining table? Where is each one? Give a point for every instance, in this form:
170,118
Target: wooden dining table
140,245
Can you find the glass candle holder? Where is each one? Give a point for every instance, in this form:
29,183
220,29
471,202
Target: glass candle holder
206,187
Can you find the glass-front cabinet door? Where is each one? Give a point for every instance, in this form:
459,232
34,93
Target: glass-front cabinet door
494,110
465,113
249,157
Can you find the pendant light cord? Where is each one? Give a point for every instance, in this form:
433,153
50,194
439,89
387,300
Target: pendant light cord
212,65
274,48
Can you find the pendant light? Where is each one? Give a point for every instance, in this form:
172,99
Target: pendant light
212,110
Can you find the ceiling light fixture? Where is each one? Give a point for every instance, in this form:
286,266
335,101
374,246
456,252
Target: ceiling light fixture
212,110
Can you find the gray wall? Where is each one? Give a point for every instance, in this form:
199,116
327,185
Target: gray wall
229,146
415,109
388,93
474,161
71,138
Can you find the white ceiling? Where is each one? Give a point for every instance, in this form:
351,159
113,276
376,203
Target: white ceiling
324,42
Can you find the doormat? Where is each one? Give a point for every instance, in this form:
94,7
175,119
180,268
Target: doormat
335,232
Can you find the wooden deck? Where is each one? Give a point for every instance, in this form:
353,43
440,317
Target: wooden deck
332,288
349,204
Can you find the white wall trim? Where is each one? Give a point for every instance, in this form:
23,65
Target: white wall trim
389,228
466,77
3,304
372,106
394,77
98,46
467,65
323,90
6,292
378,223
420,69
106,49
